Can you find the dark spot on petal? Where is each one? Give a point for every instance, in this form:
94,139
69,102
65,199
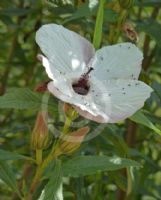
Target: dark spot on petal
129,85
101,58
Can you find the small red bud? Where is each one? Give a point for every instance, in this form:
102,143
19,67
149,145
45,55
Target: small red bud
42,87
40,136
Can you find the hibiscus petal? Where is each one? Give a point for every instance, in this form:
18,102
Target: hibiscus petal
66,51
83,102
108,102
120,99
120,61
57,93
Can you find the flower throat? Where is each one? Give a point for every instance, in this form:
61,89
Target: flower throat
82,85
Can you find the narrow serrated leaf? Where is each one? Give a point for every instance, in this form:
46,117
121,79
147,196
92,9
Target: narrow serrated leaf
87,165
7,175
140,118
24,98
6,155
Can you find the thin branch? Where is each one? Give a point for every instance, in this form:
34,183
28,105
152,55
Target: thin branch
11,53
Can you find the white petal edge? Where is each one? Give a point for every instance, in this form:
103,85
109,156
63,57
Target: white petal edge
87,115
46,64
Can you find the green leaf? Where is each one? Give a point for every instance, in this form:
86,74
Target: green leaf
152,28
157,88
87,165
140,118
7,175
86,10
153,118
15,11
24,98
53,189
110,16
6,155
148,3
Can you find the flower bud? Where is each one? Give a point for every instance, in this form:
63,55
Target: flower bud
70,111
126,4
72,141
42,87
40,136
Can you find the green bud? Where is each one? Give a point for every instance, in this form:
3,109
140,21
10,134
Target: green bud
70,112
40,136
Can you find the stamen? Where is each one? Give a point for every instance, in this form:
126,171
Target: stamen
90,69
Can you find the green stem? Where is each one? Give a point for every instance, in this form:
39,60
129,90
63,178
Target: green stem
41,168
99,24
55,152
122,19
66,125
129,181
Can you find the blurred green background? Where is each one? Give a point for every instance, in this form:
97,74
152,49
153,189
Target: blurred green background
19,68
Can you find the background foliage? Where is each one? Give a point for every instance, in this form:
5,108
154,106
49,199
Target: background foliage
134,143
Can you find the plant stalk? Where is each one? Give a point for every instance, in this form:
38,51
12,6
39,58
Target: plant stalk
99,25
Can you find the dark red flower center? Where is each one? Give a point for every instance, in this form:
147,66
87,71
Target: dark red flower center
82,86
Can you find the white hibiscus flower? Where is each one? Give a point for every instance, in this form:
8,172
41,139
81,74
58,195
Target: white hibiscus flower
101,85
